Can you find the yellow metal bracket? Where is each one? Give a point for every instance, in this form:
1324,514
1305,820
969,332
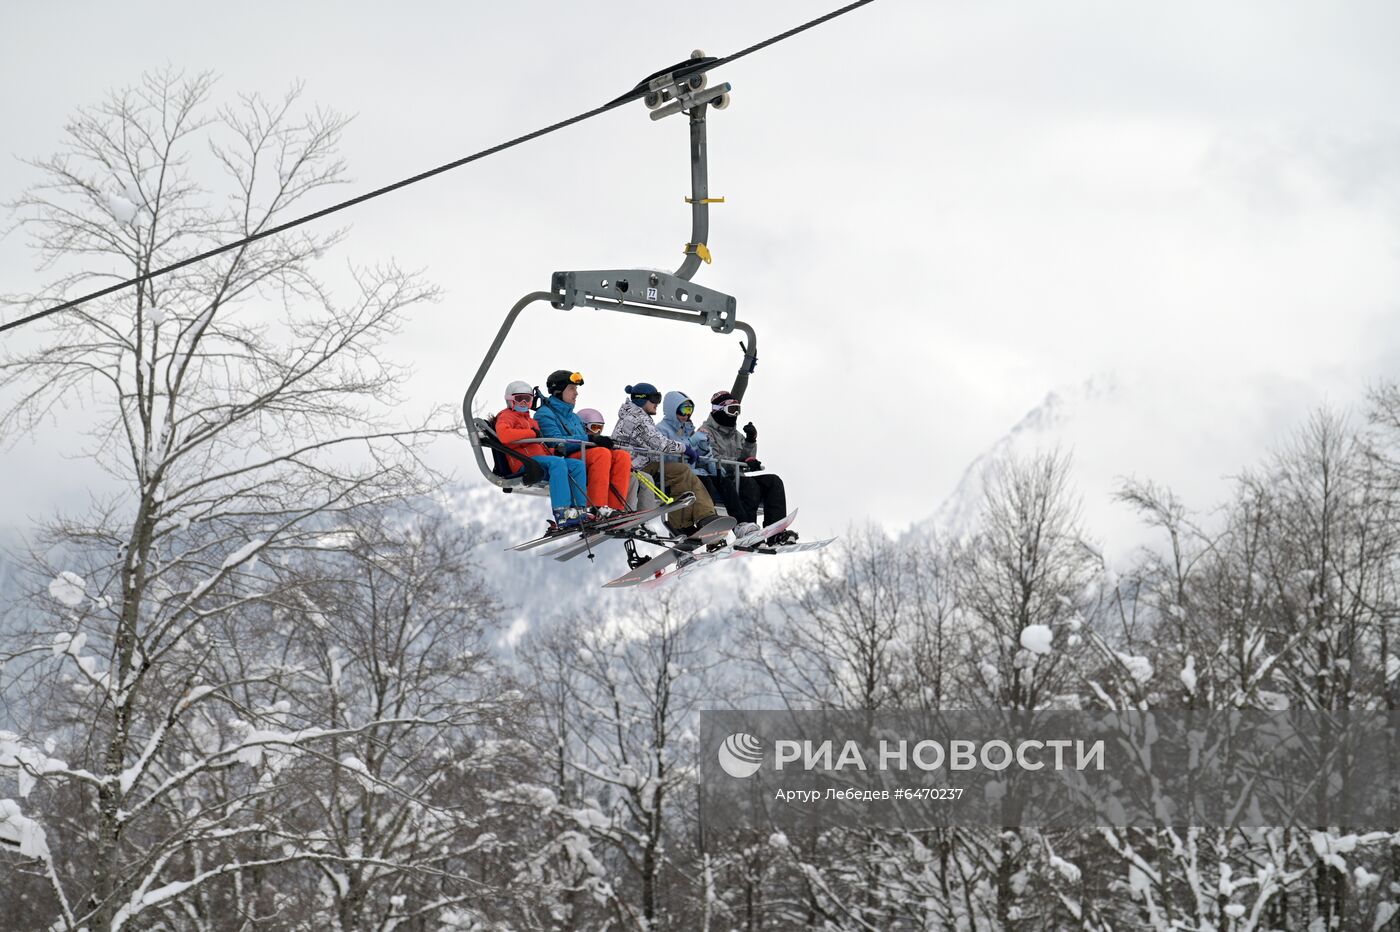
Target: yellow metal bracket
701,250
705,200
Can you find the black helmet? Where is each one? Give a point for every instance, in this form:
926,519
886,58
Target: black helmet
561,379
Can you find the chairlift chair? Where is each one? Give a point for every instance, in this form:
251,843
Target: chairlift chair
682,88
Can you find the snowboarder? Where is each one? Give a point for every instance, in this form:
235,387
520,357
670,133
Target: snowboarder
609,470
729,442
678,423
566,476
636,430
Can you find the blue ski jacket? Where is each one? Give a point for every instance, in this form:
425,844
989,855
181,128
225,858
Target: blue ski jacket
557,419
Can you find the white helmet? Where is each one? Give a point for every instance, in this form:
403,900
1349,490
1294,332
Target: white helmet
518,388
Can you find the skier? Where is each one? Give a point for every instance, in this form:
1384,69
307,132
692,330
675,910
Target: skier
592,422
566,476
678,423
728,442
609,471
636,430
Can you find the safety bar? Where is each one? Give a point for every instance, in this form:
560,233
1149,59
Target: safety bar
525,440
654,454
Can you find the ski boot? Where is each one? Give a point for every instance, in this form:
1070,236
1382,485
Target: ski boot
570,518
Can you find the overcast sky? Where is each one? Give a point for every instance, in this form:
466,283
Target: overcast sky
936,212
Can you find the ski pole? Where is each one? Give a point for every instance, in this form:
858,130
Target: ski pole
645,480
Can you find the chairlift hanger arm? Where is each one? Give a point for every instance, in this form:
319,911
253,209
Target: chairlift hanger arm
683,87
687,84
686,89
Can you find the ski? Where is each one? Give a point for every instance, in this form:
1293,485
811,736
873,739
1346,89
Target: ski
553,534
556,534
598,533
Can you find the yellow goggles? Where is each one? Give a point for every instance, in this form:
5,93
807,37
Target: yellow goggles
576,378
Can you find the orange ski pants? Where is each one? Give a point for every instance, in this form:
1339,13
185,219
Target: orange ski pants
609,476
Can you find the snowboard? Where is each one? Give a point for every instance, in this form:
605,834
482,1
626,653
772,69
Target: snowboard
680,552
750,542
748,545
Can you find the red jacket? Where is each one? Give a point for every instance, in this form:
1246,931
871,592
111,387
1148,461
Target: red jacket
515,425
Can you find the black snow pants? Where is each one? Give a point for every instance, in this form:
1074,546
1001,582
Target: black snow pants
764,491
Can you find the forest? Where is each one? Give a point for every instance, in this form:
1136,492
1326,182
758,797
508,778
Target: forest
263,683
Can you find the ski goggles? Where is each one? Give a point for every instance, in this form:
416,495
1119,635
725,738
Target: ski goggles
593,428
576,378
731,408
522,398
686,409
654,397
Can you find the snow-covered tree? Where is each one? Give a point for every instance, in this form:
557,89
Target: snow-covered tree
620,695
1023,581
840,631
386,627
239,408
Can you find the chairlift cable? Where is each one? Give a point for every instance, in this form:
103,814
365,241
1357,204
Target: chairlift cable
635,94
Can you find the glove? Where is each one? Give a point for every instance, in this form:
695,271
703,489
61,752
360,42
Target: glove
691,456
750,432
605,442
752,464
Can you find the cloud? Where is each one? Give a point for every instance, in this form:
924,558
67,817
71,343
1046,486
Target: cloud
973,206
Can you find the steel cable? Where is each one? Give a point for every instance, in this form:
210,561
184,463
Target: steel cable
377,192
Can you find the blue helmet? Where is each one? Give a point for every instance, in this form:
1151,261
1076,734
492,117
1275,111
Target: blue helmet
643,392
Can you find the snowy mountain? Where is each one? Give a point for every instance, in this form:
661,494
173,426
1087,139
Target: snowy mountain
1058,422
1105,425
9,570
